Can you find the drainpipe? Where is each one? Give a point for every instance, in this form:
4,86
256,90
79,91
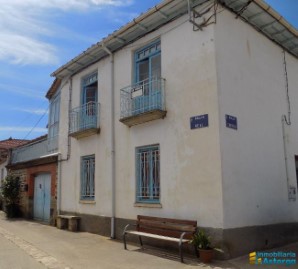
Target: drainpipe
59,185
113,177
283,121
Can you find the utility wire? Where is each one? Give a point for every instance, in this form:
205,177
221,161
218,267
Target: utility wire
38,121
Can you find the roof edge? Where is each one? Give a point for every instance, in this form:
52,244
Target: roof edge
276,16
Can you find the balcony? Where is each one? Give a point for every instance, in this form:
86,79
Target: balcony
30,152
84,120
143,102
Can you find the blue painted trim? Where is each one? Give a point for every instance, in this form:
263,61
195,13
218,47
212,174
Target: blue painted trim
136,61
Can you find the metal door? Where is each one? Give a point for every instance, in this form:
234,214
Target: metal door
42,197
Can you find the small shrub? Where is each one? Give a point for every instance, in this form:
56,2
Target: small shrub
11,190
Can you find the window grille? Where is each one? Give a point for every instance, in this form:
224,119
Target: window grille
87,177
148,174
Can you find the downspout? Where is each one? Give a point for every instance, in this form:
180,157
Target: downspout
60,159
113,177
283,121
59,185
286,121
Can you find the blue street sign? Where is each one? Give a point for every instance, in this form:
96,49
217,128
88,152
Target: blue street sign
231,122
199,121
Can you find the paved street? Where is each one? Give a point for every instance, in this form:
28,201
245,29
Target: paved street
26,244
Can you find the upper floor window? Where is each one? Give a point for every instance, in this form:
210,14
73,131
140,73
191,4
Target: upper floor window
148,62
148,174
53,125
89,89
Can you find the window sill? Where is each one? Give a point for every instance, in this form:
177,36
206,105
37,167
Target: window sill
87,202
148,205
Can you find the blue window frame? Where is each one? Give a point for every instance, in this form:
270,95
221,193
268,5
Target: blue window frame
147,77
87,177
148,62
89,89
148,174
89,108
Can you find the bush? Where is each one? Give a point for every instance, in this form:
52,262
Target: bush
11,190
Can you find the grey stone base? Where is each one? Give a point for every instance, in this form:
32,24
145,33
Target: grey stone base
240,241
92,223
230,243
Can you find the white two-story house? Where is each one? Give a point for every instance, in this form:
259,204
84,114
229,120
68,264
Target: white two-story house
189,111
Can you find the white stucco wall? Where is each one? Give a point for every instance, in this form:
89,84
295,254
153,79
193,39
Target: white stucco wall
190,159
97,144
251,86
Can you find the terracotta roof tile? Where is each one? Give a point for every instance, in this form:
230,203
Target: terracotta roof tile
12,143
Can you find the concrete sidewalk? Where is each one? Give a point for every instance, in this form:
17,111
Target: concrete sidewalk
40,246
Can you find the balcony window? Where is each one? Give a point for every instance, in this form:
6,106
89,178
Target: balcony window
84,120
144,99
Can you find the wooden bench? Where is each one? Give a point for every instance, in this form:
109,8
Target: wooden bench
173,230
69,222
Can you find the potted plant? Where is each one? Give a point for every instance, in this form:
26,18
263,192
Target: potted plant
203,244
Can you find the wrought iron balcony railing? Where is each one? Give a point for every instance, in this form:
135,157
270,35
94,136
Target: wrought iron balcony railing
84,120
142,99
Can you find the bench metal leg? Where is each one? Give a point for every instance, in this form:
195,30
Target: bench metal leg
124,240
141,242
196,251
181,251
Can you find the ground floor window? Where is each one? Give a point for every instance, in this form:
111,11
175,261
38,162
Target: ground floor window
87,177
148,174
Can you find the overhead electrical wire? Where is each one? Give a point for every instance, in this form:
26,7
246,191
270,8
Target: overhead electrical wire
38,121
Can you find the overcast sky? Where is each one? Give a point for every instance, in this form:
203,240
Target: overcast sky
38,36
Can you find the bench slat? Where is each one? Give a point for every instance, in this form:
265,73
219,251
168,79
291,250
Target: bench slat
180,221
168,233
166,225
167,238
68,217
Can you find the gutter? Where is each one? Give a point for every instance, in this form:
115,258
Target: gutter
112,131
123,29
276,16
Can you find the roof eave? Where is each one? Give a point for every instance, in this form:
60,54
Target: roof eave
179,7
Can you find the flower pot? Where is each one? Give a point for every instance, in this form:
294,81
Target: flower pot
206,255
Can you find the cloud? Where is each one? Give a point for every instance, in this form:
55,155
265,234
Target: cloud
33,111
23,129
21,91
25,25
18,49
65,4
